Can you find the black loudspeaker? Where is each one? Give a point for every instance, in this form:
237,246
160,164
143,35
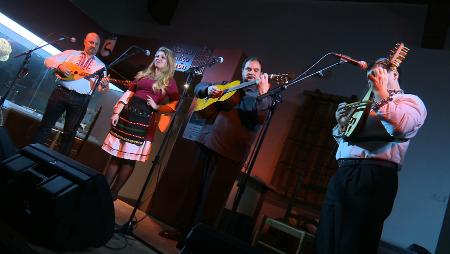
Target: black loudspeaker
237,224
7,147
204,239
418,249
162,11
57,201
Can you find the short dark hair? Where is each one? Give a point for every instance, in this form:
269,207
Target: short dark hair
251,58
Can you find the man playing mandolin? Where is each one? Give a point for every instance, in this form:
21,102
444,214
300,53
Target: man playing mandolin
73,69
361,194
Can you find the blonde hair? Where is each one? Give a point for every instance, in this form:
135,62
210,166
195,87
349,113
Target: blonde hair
162,81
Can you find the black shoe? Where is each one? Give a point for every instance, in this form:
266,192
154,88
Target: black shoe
114,196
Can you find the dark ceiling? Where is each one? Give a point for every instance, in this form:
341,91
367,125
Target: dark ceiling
161,12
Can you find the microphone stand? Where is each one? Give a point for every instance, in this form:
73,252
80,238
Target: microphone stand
23,68
275,94
194,70
123,56
128,227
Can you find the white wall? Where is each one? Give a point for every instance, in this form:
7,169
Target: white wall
424,181
291,36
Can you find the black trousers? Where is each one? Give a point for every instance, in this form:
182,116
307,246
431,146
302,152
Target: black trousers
217,175
359,198
62,100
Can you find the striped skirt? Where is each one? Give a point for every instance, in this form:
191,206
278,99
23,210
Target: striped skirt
127,139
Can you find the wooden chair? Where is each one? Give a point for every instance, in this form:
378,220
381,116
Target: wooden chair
276,242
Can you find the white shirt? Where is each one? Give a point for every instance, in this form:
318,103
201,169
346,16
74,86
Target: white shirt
89,64
400,118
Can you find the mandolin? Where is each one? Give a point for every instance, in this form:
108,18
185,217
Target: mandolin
76,72
229,91
361,109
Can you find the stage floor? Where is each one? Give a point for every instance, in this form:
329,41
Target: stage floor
145,241
147,229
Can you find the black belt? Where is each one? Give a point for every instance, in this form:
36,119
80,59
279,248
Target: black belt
356,161
67,90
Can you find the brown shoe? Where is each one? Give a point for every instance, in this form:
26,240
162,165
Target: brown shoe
170,234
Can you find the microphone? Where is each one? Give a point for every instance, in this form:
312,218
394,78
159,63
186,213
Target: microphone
215,60
218,59
71,39
145,51
361,64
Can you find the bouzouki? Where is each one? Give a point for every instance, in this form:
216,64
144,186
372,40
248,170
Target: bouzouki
361,109
229,90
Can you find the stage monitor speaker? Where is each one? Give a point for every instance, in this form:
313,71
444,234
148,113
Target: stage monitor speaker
59,202
204,239
7,147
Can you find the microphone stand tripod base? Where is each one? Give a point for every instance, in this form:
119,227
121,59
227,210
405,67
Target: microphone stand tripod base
127,228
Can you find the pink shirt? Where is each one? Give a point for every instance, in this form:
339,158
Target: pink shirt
402,118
